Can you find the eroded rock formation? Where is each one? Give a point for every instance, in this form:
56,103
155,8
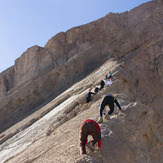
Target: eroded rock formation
133,38
132,136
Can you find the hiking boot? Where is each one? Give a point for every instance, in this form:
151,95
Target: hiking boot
90,146
100,120
107,116
82,150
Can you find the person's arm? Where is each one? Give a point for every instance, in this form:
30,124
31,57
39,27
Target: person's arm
117,104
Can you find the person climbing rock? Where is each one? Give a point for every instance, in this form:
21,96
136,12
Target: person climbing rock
89,127
102,83
110,75
88,98
110,82
108,100
96,90
106,80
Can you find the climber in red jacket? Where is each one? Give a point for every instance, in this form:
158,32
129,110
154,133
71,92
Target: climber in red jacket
89,127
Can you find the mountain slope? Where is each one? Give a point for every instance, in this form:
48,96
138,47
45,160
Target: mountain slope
48,92
42,73
127,137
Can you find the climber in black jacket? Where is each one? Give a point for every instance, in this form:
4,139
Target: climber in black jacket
96,90
88,98
102,84
108,100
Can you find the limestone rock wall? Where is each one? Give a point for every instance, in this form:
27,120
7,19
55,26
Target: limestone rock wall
35,92
133,37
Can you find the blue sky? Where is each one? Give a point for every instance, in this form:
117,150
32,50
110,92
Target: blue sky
24,23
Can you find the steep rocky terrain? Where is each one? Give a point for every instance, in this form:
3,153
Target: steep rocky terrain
132,136
42,73
39,92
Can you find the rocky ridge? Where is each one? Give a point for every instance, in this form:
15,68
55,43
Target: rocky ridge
42,73
132,136
133,41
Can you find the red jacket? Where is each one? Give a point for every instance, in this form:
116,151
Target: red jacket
98,129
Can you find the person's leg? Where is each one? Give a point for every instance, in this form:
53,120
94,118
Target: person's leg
83,138
111,105
102,106
101,86
96,138
88,99
95,135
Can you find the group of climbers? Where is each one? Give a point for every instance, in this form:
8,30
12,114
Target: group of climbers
90,126
102,84
107,81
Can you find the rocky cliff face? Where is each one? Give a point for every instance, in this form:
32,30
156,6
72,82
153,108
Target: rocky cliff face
128,44
52,133
134,38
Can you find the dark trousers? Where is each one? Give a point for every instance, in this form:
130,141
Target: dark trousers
103,104
88,99
88,128
102,86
